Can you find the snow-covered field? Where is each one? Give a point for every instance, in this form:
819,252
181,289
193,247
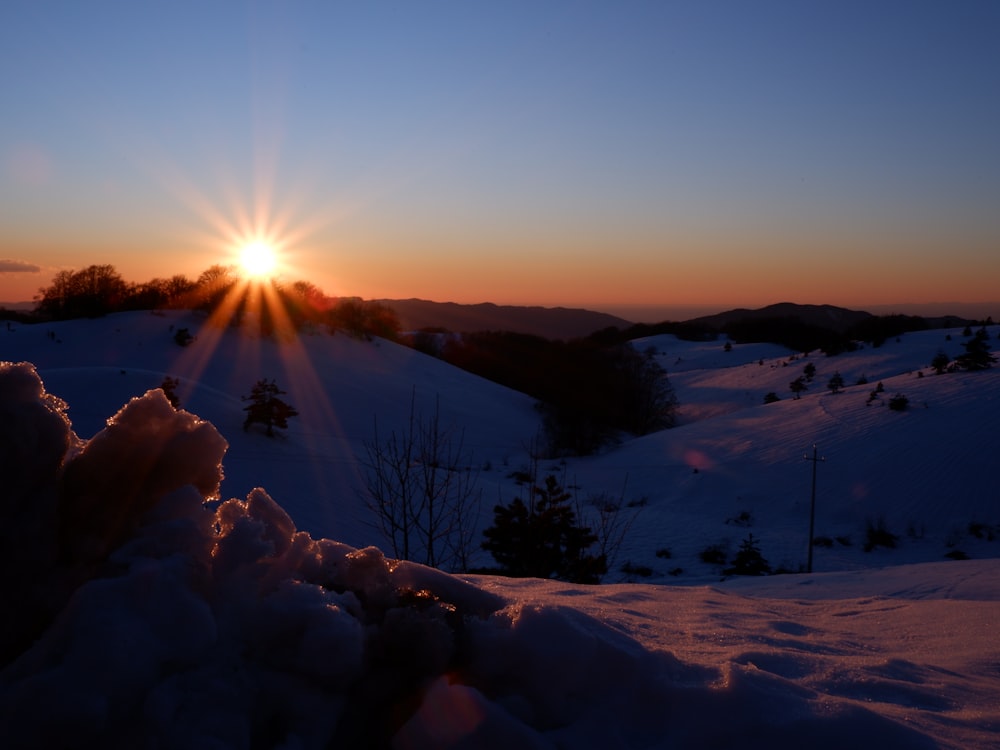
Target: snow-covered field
225,628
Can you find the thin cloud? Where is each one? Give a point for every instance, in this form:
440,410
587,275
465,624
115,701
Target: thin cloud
18,266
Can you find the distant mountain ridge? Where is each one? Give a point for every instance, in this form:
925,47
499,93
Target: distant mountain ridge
548,322
839,319
795,325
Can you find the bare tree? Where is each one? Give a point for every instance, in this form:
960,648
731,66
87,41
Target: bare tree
422,491
614,519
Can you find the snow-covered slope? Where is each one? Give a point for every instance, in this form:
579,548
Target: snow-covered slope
926,472
900,656
339,385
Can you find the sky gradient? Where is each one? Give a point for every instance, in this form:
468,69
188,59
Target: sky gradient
699,154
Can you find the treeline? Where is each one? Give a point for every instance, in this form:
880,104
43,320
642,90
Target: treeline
99,290
804,337
587,391
787,330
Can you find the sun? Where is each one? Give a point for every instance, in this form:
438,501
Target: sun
258,260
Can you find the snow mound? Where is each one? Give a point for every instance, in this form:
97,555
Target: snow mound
143,611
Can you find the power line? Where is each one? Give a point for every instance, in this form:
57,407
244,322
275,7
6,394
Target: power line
812,505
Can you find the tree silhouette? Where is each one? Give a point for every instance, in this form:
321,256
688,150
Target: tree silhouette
213,285
940,362
835,383
88,293
183,337
899,402
542,539
423,499
977,353
748,560
797,386
266,408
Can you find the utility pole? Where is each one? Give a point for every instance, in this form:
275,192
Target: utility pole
812,505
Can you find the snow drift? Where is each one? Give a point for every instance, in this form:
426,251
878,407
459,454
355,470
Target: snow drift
142,610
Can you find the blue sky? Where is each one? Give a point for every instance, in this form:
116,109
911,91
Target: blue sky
548,153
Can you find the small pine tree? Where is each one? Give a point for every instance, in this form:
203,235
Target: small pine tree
797,386
542,539
977,353
183,337
770,397
835,383
748,560
940,362
266,408
809,371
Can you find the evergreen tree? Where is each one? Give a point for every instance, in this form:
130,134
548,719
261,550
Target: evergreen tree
542,539
977,353
797,386
940,362
835,383
183,337
266,408
748,560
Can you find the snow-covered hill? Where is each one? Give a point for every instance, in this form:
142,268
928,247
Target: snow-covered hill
244,632
925,471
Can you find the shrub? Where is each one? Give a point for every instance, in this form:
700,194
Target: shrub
956,554
642,571
899,402
743,519
664,553
714,554
877,534
981,530
183,337
771,397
